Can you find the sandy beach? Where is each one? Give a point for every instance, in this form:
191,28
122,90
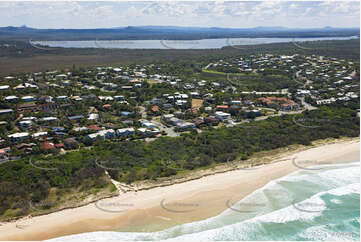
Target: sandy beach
163,207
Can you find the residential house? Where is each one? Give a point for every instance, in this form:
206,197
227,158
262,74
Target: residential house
125,113
182,126
222,107
155,109
11,98
25,123
27,107
39,134
146,131
104,134
61,98
211,120
75,118
48,107
156,101
48,119
28,99
71,143
222,116
47,146
93,116
6,111
125,132
18,136
147,124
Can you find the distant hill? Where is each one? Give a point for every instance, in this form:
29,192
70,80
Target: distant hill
168,32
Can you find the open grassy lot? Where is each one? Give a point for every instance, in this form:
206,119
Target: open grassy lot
197,103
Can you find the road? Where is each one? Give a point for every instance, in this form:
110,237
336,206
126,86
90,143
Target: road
302,99
142,112
306,105
205,68
170,132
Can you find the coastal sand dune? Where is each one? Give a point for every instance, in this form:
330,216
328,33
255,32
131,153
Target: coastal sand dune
163,207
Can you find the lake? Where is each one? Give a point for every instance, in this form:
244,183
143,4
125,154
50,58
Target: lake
175,44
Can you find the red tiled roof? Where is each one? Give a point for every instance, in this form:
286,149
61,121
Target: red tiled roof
47,145
60,145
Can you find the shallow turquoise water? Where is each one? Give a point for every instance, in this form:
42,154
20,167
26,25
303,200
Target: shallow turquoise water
321,204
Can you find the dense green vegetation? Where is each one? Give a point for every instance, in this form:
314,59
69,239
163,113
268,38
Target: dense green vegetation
25,181
249,82
130,161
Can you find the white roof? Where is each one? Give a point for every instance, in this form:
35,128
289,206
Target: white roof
103,132
168,115
142,130
93,135
4,87
220,113
48,119
93,116
9,110
80,128
39,134
25,97
25,122
29,118
18,135
109,98
11,97
125,129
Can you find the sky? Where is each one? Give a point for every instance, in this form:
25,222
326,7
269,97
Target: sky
232,14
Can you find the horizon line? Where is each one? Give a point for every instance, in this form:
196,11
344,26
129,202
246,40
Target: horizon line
180,26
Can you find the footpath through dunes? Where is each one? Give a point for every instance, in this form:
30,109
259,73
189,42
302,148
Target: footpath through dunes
162,207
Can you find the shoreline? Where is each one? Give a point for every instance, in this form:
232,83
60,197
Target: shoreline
163,206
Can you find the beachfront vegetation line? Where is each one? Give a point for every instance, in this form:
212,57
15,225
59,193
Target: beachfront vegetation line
22,183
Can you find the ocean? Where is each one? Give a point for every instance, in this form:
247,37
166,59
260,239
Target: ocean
322,203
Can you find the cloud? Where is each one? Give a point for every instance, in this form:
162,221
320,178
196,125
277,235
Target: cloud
71,14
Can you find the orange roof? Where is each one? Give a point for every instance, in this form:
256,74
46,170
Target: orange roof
222,106
155,109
